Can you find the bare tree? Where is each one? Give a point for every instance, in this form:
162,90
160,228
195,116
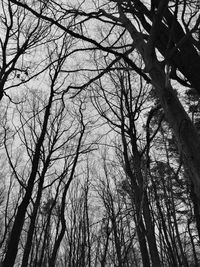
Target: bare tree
162,32
22,37
47,141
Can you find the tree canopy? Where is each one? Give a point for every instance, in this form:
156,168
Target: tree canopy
99,133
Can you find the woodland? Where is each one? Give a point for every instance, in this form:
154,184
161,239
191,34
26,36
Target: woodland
99,133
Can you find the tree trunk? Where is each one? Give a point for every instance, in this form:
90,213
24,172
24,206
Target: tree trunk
21,212
183,128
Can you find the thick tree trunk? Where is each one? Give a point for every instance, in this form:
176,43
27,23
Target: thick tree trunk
184,131
185,57
183,128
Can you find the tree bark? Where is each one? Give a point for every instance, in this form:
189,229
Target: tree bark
186,135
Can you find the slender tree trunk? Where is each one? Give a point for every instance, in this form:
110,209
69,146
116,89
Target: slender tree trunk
164,227
150,232
173,210
143,203
20,216
196,264
116,239
143,245
196,205
33,217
